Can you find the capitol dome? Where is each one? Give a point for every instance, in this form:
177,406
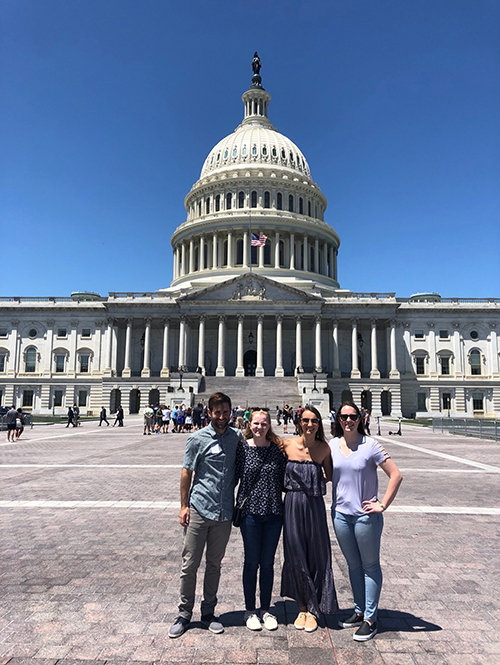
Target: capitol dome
255,187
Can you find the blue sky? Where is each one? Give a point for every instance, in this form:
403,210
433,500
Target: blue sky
108,109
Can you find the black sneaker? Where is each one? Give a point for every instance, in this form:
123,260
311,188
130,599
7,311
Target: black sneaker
365,632
352,621
213,625
179,627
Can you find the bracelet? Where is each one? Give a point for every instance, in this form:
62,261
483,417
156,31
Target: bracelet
381,505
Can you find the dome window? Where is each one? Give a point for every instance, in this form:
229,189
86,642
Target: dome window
291,157
298,160
244,151
274,152
226,153
235,152
264,151
241,199
279,201
309,208
301,206
254,150
217,203
211,160
207,206
253,199
229,200
218,156
290,202
283,154
267,199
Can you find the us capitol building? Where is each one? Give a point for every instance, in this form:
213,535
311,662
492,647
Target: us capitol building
254,309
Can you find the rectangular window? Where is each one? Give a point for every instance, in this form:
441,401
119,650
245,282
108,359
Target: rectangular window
478,402
445,365
3,332
444,334
419,334
84,362
421,402
86,333
62,332
2,362
27,398
446,401
60,363
58,397
420,365
82,398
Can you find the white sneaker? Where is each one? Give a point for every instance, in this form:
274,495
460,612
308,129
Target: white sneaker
270,621
252,621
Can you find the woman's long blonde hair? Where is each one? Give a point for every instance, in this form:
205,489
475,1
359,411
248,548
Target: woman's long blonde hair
270,436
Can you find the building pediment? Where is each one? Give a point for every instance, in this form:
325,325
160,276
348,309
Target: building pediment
250,289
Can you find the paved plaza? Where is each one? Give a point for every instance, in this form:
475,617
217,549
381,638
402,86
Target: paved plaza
90,558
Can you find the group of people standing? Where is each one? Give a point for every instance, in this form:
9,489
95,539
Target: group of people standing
264,466
14,420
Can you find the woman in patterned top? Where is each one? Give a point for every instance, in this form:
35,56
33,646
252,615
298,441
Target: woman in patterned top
357,512
260,467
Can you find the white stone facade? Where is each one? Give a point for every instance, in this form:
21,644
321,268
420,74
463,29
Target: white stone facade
234,310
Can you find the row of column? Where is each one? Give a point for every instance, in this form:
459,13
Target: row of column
240,370
295,258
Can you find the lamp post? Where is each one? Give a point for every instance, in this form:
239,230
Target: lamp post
181,389
315,390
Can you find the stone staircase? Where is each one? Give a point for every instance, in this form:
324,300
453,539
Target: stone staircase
252,391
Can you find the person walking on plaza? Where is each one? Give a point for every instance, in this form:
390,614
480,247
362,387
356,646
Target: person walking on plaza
119,417
10,419
357,513
260,468
19,423
148,419
307,570
166,415
76,415
103,416
71,417
207,497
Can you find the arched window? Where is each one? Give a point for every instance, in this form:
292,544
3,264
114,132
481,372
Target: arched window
475,362
217,203
239,252
241,199
301,206
279,201
254,199
229,200
290,202
267,199
30,360
207,206
199,208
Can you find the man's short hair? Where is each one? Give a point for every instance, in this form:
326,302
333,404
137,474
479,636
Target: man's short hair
217,399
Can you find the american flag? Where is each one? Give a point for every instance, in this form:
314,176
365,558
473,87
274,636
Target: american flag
258,240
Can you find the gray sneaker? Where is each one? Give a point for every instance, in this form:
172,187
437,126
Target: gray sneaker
179,627
213,625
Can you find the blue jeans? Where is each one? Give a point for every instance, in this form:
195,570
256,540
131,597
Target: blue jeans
359,539
261,534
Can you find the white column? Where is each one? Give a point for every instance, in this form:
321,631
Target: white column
261,258
245,250
316,256
317,344
201,344
432,349
457,350
407,347
292,251
305,263
215,264
165,370
240,370
146,371
182,342
355,373
191,255
374,373
394,373
279,371
109,347
127,370
230,261
221,350
259,370
324,267
298,344
332,262
114,358
277,249
335,340
493,350
201,260
47,364
176,263
183,259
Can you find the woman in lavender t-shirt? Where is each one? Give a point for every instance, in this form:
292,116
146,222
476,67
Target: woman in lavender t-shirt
357,512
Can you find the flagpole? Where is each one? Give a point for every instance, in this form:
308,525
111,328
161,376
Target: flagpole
250,239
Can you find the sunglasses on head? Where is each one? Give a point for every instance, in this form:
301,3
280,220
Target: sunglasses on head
349,416
314,421
260,408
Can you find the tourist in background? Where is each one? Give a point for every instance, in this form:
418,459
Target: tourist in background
357,512
103,416
119,416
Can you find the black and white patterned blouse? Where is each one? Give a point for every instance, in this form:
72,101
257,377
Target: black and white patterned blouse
265,493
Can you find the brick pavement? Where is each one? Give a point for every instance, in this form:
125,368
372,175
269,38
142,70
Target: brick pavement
90,558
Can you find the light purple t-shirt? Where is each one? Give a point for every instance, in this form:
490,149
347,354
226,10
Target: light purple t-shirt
355,476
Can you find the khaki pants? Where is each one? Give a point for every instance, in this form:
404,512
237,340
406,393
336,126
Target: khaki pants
215,535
